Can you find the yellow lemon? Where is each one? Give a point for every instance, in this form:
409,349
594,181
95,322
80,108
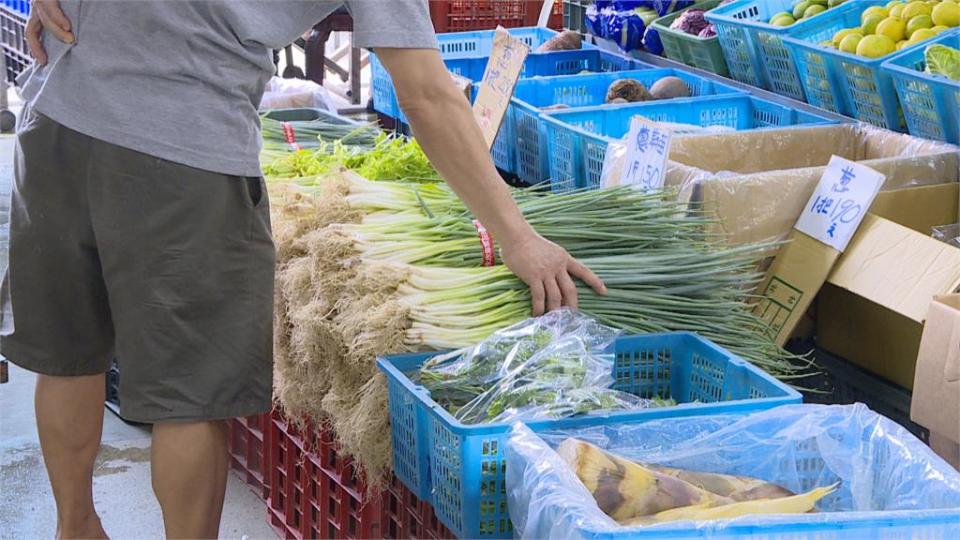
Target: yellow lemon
897,10
849,43
946,14
782,19
874,10
915,8
815,9
938,29
800,8
838,37
918,22
876,46
902,44
893,28
890,5
870,23
922,34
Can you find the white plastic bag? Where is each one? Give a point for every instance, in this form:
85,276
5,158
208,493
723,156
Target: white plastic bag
295,94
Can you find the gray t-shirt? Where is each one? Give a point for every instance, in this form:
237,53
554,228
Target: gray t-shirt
181,80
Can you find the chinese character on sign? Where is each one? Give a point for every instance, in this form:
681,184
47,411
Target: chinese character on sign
846,176
507,55
822,205
651,176
643,139
839,203
493,75
658,142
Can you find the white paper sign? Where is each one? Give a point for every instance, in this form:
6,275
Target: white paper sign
843,196
648,145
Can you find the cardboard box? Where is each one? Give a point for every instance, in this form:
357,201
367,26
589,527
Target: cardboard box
882,287
936,395
872,335
758,181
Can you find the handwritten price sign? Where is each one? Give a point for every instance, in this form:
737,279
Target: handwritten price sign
648,146
496,88
841,200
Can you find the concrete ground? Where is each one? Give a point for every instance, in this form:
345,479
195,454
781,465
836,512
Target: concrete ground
122,478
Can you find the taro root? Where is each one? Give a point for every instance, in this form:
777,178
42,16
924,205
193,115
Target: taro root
568,40
628,90
669,88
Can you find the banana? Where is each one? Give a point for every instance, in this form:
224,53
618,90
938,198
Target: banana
796,504
625,490
738,488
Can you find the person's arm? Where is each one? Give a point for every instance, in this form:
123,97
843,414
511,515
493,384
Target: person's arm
443,123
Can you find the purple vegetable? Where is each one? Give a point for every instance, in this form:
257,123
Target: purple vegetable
690,21
708,31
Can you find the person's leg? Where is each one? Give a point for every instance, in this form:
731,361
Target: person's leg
188,262
55,319
189,468
70,421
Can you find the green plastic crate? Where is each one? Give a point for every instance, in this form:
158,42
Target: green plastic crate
698,52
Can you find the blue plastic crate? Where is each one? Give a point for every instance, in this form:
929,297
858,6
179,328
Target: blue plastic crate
20,7
480,42
798,446
753,49
577,140
461,467
537,65
931,103
552,63
844,82
527,130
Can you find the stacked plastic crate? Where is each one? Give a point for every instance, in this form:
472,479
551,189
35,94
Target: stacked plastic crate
249,451
315,492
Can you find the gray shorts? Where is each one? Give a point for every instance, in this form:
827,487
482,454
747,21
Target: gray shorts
170,268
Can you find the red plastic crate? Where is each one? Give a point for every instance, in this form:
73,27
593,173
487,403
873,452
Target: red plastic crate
466,15
316,493
248,450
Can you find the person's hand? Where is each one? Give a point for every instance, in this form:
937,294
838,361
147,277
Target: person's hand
549,272
46,15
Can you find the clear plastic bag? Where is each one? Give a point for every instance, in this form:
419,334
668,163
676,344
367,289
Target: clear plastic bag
295,94
553,366
881,468
948,233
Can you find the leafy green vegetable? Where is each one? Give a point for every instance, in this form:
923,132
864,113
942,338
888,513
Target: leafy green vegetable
943,60
390,158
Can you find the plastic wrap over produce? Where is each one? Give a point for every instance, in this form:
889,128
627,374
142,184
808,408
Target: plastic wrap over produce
757,182
884,473
627,22
554,366
949,234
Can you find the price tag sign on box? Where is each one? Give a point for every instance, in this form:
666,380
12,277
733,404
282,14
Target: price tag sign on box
496,88
828,222
648,146
842,198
